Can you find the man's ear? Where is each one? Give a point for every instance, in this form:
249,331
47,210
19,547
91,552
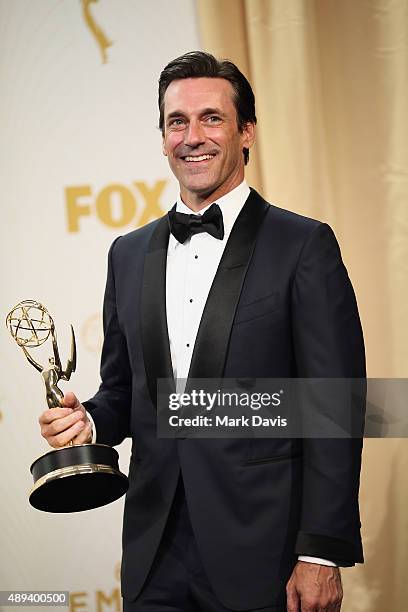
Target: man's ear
248,135
164,146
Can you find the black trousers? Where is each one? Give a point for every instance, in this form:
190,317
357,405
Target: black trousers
177,581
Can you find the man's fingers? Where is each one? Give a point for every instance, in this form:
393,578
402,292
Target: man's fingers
65,437
292,599
336,592
60,424
71,401
336,605
79,433
309,606
50,415
319,604
85,435
317,586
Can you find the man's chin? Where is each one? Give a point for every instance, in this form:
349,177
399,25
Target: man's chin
200,188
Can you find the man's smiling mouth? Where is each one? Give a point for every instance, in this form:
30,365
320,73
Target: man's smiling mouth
197,158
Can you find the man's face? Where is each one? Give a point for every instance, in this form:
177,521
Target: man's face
201,138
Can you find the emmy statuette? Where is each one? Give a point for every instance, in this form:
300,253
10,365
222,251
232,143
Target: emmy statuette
75,477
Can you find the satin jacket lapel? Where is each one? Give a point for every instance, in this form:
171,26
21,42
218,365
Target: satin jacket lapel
155,337
211,346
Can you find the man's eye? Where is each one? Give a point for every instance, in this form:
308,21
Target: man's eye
176,122
213,119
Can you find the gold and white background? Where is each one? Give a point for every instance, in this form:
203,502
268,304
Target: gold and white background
81,162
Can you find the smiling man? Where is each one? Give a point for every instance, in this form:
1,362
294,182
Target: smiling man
224,285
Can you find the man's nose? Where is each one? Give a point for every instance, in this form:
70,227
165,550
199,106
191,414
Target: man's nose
194,135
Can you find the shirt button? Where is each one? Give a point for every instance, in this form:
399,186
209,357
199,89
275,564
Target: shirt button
195,256
191,301
187,345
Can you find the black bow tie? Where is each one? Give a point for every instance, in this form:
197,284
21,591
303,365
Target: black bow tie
184,226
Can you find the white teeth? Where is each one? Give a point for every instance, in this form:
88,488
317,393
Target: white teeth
198,158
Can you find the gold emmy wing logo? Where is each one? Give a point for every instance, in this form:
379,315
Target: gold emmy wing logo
103,41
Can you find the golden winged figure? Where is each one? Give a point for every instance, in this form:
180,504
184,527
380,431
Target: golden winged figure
53,372
100,36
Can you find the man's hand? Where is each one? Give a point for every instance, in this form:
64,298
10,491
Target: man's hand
61,425
314,588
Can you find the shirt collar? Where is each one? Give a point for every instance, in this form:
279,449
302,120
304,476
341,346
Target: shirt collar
231,204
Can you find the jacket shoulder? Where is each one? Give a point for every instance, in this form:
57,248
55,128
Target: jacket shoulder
286,223
136,241
141,235
288,218
291,236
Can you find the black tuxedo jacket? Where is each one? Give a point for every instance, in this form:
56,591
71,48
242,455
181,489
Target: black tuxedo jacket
281,305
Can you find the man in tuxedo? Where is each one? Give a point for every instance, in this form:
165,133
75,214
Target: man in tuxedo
225,285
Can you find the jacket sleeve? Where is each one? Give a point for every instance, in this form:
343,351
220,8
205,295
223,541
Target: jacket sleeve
328,343
110,407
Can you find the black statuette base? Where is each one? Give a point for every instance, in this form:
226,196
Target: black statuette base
77,478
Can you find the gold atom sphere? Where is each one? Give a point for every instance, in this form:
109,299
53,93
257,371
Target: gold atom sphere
29,323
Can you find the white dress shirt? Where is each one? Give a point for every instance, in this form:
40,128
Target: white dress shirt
191,268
